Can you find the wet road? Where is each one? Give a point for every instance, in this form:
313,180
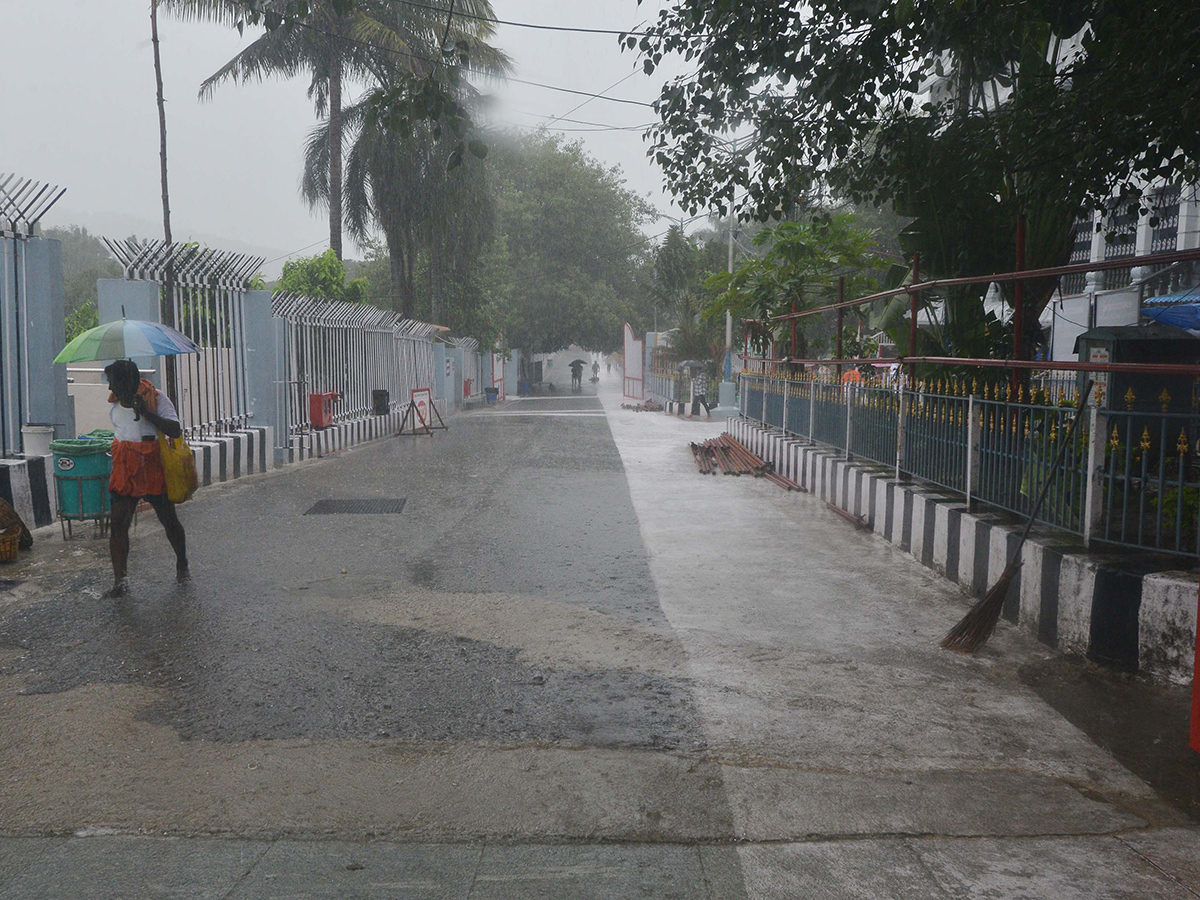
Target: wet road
261,643
570,667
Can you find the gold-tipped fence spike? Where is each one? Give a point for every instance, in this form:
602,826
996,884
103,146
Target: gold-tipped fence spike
1015,416
1008,393
1145,445
1020,393
1130,399
1182,444
1027,426
1115,440
1053,431
1164,400
975,385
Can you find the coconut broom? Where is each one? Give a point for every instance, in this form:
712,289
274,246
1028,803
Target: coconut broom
977,626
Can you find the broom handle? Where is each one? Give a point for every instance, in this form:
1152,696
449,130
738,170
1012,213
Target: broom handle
1062,451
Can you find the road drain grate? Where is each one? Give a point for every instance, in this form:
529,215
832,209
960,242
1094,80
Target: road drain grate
357,507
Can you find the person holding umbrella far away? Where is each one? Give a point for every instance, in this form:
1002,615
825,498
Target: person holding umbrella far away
139,413
577,374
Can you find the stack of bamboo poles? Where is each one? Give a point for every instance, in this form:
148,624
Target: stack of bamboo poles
730,457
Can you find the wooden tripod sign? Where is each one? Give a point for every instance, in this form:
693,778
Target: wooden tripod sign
420,413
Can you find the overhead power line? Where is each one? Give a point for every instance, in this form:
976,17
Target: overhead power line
436,62
535,26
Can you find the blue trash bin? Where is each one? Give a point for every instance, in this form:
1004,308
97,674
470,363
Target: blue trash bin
81,472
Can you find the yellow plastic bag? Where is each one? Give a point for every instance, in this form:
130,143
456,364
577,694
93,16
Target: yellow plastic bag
180,468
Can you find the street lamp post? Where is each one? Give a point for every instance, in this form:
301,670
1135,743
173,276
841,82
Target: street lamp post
727,394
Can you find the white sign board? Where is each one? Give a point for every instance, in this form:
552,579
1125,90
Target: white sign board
422,399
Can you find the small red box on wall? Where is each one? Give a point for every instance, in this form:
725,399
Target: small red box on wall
320,408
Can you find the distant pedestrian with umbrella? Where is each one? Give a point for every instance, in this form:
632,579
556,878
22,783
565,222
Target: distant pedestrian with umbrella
577,374
139,413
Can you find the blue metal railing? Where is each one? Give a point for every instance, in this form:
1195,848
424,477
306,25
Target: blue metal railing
1018,444
829,414
1151,489
936,439
874,414
998,449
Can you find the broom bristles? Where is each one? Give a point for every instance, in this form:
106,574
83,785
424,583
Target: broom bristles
973,631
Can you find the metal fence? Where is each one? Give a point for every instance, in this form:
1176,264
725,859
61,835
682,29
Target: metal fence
23,202
662,374
202,294
350,349
1128,478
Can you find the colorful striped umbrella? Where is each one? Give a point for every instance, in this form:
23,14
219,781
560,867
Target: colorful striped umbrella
126,338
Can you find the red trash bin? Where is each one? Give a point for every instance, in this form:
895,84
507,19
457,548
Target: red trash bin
320,408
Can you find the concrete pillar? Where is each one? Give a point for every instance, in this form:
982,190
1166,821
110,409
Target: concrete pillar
1095,280
1189,219
264,341
439,371
118,298
1093,506
974,429
1141,246
43,336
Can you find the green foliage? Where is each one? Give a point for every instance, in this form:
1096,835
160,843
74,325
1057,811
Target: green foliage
800,270
573,249
81,319
84,260
322,276
823,81
1021,122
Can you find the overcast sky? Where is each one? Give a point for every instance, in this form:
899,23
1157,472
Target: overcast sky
77,109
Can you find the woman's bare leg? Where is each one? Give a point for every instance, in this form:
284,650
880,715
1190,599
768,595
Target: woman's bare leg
120,519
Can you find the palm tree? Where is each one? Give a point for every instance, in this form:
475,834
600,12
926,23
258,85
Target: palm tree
402,179
329,46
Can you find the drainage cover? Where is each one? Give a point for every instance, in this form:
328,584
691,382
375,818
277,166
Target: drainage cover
372,507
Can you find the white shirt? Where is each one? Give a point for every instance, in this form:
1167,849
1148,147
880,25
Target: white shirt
126,429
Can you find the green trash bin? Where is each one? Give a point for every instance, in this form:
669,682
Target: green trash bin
81,471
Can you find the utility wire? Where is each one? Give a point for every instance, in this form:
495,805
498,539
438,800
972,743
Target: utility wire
436,62
566,28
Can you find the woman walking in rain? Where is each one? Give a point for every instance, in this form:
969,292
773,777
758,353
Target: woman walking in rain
139,412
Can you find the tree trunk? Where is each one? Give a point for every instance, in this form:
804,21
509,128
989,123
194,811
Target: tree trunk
435,282
167,301
335,151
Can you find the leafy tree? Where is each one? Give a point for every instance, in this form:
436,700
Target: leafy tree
799,271
84,260
573,249
1037,108
322,276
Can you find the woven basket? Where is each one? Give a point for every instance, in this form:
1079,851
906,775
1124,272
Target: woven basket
9,541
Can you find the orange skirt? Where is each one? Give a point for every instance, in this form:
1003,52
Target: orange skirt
137,469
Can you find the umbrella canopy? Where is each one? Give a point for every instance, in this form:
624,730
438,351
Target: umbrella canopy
126,338
577,362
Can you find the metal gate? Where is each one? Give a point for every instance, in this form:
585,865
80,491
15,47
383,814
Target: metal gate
634,386
202,292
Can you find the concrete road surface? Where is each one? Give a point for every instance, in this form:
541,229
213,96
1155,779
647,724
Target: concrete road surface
570,667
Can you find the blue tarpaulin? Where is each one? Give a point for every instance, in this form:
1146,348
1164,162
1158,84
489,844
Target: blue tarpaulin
1191,295
1181,315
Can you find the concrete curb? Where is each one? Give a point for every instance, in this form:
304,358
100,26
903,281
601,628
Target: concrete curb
28,485
1120,611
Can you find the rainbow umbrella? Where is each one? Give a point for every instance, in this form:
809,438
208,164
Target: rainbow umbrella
126,338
